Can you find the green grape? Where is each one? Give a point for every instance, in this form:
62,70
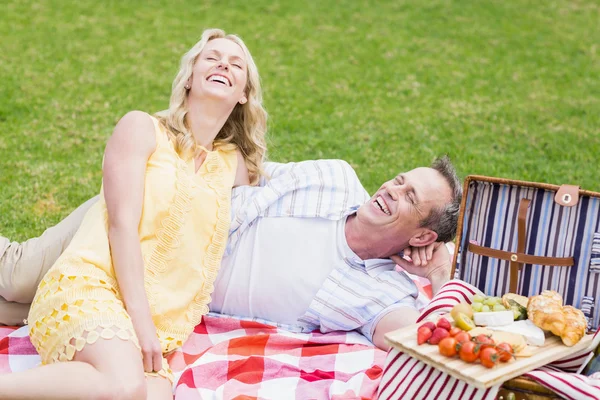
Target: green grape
499,307
490,301
476,307
478,298
485,308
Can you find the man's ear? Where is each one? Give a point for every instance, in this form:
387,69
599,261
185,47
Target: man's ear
423,238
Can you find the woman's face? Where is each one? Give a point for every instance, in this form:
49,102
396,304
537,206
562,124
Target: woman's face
220,72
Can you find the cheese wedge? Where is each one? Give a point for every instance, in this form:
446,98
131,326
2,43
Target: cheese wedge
532,334
526,352
517,341
493,318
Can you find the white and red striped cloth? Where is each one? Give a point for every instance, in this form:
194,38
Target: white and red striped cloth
405,377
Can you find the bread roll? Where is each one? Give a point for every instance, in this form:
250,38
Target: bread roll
545,311
575,326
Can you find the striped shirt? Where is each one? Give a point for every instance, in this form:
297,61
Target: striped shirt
326,189
357,293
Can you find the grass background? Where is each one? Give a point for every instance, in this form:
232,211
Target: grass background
506,88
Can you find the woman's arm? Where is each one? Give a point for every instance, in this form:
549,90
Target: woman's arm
124,168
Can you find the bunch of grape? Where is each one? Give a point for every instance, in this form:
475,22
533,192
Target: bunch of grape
487,304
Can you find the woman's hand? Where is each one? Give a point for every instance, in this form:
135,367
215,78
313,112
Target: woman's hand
151,350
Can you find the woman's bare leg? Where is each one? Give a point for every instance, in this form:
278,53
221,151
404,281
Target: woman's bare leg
159,388
107,369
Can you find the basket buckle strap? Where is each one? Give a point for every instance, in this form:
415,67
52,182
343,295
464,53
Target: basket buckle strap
518,259
515,265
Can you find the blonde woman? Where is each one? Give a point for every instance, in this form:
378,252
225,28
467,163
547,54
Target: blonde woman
138,275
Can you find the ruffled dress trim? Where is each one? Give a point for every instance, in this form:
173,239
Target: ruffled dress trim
168,239
84,309
168,236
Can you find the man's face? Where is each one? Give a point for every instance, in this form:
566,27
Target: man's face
394,213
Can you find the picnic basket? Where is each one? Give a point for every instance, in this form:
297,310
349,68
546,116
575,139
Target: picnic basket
524,237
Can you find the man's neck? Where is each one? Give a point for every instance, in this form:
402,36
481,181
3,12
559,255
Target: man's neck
359,241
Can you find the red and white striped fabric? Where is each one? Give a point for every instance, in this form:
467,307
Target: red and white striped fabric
226,358
407,377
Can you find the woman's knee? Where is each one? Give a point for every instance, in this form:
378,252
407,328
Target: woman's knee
120,364
135,390
111,388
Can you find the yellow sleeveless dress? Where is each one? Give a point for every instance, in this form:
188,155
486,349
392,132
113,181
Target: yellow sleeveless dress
183,232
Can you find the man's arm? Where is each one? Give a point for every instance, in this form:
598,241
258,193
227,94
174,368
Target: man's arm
396,319
437,271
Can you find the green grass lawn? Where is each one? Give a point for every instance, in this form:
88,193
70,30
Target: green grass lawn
506,88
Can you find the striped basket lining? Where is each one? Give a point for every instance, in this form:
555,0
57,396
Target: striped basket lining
595,261
490,219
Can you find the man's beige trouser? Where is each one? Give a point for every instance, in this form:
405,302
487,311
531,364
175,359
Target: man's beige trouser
23,265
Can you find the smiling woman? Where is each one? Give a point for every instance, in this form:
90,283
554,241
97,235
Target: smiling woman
226,58
126,290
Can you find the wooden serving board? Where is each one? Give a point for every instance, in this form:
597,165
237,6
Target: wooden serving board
405,339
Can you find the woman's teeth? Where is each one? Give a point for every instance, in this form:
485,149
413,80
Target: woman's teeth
220,79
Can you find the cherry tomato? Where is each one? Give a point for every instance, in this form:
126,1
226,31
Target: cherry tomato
485,341
448,347
505,351
455,331
469,351
463,337
489,357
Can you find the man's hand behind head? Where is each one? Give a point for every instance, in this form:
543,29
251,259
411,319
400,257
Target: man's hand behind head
437,268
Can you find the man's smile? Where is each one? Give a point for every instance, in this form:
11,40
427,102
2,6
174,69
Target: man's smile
380,202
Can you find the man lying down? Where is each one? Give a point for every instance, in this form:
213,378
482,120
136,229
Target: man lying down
308,249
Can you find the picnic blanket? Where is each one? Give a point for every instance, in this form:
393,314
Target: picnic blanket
226,358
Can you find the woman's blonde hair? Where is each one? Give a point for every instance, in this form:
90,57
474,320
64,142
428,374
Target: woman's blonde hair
247,124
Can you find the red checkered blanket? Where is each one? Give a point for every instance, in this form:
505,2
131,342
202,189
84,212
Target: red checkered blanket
230,359
226,358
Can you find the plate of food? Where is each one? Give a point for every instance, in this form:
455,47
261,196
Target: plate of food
495,339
